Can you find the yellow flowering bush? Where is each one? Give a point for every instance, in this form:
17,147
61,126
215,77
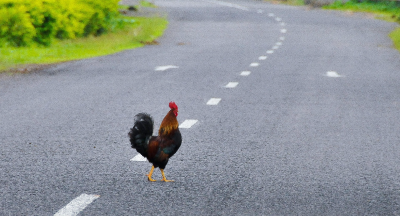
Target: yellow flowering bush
39,21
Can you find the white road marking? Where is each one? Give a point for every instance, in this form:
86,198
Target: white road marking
275,47
278,19
138,157
213,101
283,24
282,38
333,74
166,67
228,4
188,123
260,11
231,85
262,57
270,51
283,30
254,64
77,205
245,73
279,43
271,15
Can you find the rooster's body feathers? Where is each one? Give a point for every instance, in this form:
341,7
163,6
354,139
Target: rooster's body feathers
157,149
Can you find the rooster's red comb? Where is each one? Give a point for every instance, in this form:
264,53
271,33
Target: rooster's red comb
173,105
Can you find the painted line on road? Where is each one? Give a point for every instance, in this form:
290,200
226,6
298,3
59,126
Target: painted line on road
278,19
166,67
333,74
283,24
260,11
231,85
138,157
279,43
188,123
271,14
227,4
283,30
254,64
262,57
275,47
282,38
213,101
77,205
270,51
245,73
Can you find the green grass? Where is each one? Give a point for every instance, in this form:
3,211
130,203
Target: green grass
386,10
395,35
144,3
142,31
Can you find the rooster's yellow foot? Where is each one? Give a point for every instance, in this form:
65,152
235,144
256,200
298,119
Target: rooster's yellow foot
150,179
150,174
163,177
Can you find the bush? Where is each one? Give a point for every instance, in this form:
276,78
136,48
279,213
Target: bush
15,26
40,21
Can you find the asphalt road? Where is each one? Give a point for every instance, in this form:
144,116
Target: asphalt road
312,130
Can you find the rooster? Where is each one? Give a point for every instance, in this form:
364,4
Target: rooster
157,149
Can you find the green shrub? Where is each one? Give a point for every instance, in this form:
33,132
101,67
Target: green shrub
25,22
16,27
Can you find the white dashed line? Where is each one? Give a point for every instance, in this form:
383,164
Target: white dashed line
282,38
333,74
163,68
245,73
231,85
275,47
213,101
271,15
260,11
77,205
278,19
283,30
279,43
283,24
188,123
262,57
138,157
270,51
254,64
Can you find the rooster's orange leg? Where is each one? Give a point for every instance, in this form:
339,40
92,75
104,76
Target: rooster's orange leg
150,174
163,177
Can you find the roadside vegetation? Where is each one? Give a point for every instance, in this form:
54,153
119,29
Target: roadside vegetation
395,35
147,4
39,32
386,10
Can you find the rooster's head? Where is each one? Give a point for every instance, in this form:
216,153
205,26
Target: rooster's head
173,107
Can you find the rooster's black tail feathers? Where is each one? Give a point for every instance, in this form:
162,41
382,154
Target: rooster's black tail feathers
141,132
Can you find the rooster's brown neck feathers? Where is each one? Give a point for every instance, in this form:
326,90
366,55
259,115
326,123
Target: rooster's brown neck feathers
169,124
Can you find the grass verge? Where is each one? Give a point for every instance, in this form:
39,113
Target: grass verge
385,10
140,32
395,35
147,4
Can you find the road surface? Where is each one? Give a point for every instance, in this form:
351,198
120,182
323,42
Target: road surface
297,114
